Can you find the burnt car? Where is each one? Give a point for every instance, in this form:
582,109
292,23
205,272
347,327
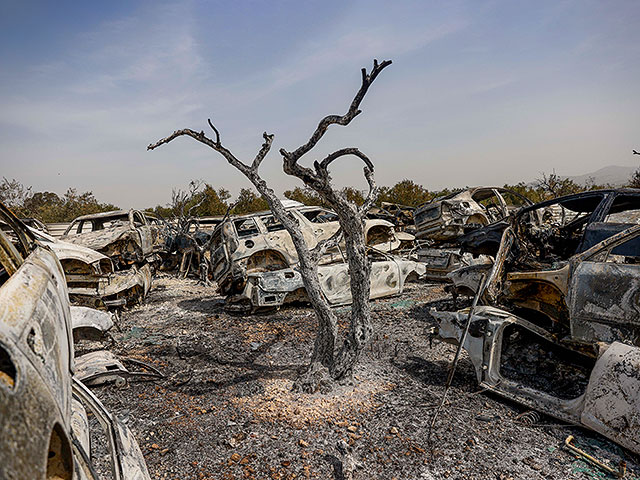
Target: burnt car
126,237
444,219
400,215
557,228
267,290
523,362
45,433
91,278
259,243
592,297
550,232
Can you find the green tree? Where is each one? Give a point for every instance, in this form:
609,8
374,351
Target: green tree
353,195
304,195
212,201
405,192
249,202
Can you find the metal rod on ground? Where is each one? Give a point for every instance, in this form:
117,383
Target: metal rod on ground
622,467
452,371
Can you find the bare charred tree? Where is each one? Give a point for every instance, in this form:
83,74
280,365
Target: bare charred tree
330,361
178,230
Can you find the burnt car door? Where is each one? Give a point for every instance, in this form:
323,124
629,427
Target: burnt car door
604,290
524,363
139,223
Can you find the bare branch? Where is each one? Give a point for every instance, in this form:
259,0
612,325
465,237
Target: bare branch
266,146
215,130
323,246
372,195
341,153
367,80
202,138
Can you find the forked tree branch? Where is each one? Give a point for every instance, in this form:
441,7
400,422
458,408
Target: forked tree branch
367,80
215,130
218,147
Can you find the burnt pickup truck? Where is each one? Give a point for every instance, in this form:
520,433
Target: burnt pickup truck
259,243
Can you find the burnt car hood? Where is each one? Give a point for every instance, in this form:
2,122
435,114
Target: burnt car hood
70,251
98,239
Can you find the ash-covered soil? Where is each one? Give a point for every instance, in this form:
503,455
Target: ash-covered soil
225,410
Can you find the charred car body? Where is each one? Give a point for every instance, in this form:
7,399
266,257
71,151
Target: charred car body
91,279
126,237
42,409
523,362
440,222
568,272
276,288
259,243
444,219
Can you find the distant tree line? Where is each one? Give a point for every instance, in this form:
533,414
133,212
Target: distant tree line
49,207
206,200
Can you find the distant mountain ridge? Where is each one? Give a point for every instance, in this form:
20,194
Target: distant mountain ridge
614,175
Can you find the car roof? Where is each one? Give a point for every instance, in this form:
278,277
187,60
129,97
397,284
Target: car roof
301,208
113,213
575,198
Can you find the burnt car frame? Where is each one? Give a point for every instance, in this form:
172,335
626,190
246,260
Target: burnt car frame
523,362
267,290
444,219
127,237
42,418
259,243
91,278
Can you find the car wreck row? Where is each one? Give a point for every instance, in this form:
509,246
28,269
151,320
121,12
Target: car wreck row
556,329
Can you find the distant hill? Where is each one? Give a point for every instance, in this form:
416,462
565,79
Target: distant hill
614,175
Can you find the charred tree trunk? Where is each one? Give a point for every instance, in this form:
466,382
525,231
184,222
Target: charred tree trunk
329,361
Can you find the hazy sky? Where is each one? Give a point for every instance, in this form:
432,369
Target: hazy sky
478,93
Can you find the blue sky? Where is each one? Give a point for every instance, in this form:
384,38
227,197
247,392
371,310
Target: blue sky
479,92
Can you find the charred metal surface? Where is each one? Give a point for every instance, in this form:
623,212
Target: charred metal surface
592,295
524,363
89,324
43,435
127,237
102,366
444,219
400,215
91,279
466,280
273,289
612,402
441,262
258,243
126,458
